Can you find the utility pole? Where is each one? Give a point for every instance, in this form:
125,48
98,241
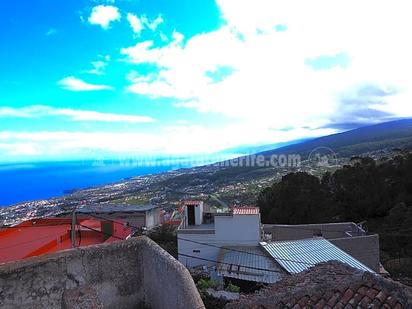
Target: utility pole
73,230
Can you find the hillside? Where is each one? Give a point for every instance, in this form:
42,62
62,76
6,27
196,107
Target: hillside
376,192
394,134
233,184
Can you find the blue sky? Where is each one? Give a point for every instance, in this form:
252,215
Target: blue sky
79,78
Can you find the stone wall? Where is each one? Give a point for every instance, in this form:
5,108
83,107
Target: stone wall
127,274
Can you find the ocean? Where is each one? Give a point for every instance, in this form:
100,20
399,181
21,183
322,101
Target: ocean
32,181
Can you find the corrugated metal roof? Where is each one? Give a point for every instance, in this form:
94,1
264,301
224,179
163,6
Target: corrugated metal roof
298,255
246,210
234,262
108,208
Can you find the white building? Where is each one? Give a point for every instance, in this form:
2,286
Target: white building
147,216
238,227
231,242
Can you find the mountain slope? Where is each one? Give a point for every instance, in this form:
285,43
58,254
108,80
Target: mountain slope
249,149
394,134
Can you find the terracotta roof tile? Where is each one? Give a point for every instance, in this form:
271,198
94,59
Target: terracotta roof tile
245,210
347,296
365,301
355,300
391,301
330,285
381,296
334,299
371,293
376,303
320,304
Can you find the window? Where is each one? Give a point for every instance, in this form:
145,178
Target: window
317,232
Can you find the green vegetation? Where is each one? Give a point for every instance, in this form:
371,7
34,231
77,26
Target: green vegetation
204,284
379,192
165,237
131,201
232,288
211,302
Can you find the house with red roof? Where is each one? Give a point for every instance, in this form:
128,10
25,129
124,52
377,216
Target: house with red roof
40,236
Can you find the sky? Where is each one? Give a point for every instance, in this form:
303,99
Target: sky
160,77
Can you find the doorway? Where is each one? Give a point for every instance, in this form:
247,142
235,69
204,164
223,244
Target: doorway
191,215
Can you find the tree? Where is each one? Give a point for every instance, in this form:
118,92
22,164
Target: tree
297,198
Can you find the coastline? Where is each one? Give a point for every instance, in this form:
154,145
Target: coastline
52,181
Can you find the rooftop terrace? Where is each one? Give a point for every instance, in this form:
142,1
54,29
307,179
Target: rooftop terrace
134,273
110,208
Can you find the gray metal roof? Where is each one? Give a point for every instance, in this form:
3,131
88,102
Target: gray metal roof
109,208
232,264
298,255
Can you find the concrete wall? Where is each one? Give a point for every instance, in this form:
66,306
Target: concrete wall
168,284
149,219
125,274
156,219
236,230
197,250
198,213
363,248
152,218
304,231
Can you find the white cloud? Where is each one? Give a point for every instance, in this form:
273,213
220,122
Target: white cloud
152,24
103,15
165,140
37,111
135,23
75,84
163,37
270,84
142,52
138,24
50,32
98,67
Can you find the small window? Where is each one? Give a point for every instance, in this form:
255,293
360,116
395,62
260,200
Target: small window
196,251
317,232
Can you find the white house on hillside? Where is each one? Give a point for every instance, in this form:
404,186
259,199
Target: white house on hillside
238,227
232,243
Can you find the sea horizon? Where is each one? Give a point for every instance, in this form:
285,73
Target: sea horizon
29,181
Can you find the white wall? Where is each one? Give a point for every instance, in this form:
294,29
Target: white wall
236,230
189,248
152,218
199,214
149,220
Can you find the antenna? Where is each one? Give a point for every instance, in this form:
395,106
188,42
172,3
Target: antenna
73,230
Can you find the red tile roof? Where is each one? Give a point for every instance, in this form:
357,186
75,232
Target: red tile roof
246,210
192,202
330,285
